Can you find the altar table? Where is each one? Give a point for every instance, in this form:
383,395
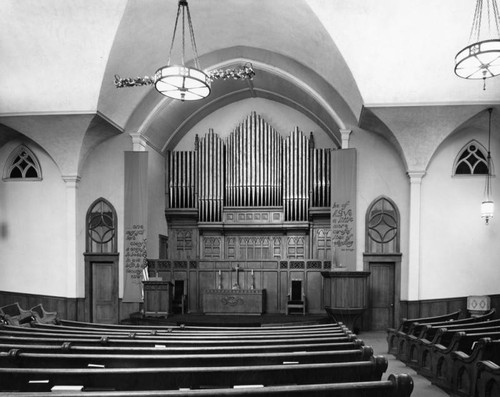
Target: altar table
233,301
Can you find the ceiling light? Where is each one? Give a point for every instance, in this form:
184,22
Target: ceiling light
183,82
487,206
480,59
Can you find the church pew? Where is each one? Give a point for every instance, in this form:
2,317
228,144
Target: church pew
171,335
464,367
417,347
17,358
196,328
404,326
488,379
192,377
400,385
417,330
85,346
184,331
152,340
441,358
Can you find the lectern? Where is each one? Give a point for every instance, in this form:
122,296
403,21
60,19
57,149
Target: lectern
345,295
157,298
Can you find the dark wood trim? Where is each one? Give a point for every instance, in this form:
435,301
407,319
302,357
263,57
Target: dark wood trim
67,308
436,307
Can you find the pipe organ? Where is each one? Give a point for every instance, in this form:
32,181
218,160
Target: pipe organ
253,185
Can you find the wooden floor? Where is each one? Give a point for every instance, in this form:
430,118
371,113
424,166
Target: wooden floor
228,320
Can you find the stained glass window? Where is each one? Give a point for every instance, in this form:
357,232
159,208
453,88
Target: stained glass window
471,160
382,226
101,227
22,165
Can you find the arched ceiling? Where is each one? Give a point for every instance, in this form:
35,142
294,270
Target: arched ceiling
326,58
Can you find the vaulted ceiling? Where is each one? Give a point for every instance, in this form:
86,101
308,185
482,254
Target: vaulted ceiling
330,59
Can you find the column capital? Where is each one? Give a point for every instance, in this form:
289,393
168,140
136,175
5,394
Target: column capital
71,180
345,138
416,176
138,142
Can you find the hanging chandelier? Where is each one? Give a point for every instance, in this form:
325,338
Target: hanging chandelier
183,82
487,206
180,81
481,58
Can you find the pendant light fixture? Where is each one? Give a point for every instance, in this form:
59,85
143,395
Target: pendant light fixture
183,82
179,81
488,206
480,59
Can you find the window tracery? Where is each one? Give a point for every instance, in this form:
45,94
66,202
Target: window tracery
22,165
471,160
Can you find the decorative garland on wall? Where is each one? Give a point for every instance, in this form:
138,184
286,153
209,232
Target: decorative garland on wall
244,72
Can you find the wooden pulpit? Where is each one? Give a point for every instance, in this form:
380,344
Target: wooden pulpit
345,296
157,298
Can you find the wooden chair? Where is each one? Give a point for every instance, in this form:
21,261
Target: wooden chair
15,315
42,316
180,296
296,297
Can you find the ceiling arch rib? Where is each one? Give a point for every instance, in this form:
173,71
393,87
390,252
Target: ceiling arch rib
162,122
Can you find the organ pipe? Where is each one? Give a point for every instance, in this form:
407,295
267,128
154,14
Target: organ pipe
320,177
296,177
182,169
253,163
210,172
253,167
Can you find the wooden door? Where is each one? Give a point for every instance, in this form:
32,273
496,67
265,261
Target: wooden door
104,293
381,295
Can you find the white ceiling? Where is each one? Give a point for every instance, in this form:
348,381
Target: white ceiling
58,56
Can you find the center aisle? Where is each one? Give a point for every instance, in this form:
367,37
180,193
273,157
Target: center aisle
422,386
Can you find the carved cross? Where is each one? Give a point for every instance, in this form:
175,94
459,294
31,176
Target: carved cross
237,284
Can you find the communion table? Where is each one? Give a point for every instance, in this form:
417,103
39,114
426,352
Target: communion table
233,301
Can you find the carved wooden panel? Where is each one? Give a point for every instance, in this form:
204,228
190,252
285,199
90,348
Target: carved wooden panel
211,247
296,247
322,244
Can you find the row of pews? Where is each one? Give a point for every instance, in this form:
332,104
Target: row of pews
76,358
460,355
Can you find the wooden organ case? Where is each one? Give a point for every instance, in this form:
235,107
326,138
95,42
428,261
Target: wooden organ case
249,211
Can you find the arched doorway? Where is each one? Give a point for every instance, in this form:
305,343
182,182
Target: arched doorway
101,264
382,258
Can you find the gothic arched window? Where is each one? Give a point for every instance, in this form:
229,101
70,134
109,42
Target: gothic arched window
471,160
101,228
22,165
382,227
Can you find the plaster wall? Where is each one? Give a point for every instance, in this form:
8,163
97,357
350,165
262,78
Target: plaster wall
380,172
282,118
33,229
458,251
157,223
102,176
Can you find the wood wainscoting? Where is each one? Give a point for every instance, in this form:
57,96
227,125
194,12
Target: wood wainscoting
67,308
436,307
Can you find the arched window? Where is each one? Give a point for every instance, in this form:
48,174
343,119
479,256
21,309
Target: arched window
22,165
471,160
382,227
101,228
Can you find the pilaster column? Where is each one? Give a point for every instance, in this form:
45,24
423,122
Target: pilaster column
139,144
345,138
414,235
72,182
